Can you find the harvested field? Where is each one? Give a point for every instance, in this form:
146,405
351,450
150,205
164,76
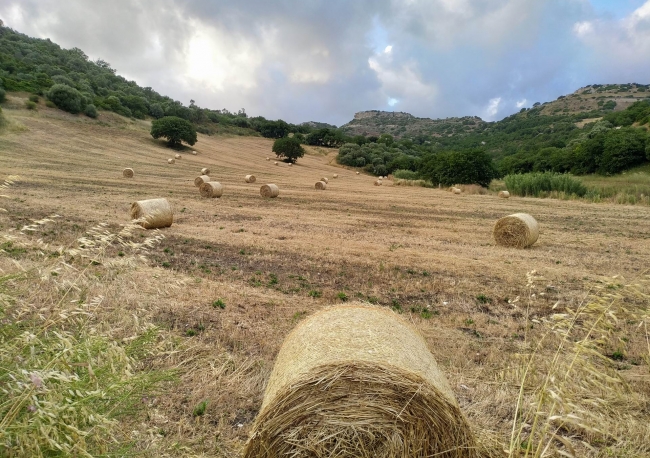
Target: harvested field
271,262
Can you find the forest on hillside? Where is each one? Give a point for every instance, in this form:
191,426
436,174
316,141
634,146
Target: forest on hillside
465,150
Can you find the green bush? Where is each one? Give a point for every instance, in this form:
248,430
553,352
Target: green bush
406,175
288,148
30,105
174,129
3,95
90,111
66,98
534,184
50,104
622,149
460,167
34,98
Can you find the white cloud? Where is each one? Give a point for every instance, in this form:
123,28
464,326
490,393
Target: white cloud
521,103
582,29
388,49
493,108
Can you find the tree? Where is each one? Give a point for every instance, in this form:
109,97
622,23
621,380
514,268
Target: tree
156,111
288,148
456,167
66,98
174,130
622,149
90,111
273,129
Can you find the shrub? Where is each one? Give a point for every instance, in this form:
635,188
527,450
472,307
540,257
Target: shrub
30,105
622,149
66,98
466,167
406,174
90,111
273,129
534,184
174,130
3,95
156,111
50,104
34,98
288,148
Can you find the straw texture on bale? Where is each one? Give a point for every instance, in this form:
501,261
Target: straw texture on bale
152,213
325,180
127,173
198,181
504,194
250,178
211,189
358,381
205,171
269,190
457,191
321,185
178,156
377,182
518,231
171,160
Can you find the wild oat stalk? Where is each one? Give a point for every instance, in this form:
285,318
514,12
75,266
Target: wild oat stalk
62,384
571,392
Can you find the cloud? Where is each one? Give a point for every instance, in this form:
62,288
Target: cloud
324,60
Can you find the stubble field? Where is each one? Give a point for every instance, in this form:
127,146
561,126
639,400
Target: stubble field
426,253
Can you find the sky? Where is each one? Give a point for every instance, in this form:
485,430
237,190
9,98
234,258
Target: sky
324,60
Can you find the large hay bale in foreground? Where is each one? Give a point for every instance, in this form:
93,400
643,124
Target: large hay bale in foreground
211,189
358,381
250,178
321,185
518,231
269,190
152,213
198,181
504,194
205,171
127,173
170,160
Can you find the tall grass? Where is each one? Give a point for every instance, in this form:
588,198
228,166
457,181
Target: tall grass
406,174
64,381
572,394
541,184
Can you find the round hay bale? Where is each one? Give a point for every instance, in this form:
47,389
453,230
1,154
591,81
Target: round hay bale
152,213
358,173
269,190
358,381
452,189
198,181
377,182
177,156
325,180
275,163
268,158
321,185
335,175
504,194
205,171
170,161
519,231
211,189
289,164
250,178
127,173
194,153
457,191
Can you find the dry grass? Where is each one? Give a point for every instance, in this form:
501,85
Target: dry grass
229,281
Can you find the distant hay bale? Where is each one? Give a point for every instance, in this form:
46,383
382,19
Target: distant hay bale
211,189
519,231
127,173
457,191
358,173
177,156
250,178
321,185
275,163
378,183
152,213
198,181
289,164
358,381
268,158
325,180
452,189
269,190
504,194
335,175
194,153
171,161
205,171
